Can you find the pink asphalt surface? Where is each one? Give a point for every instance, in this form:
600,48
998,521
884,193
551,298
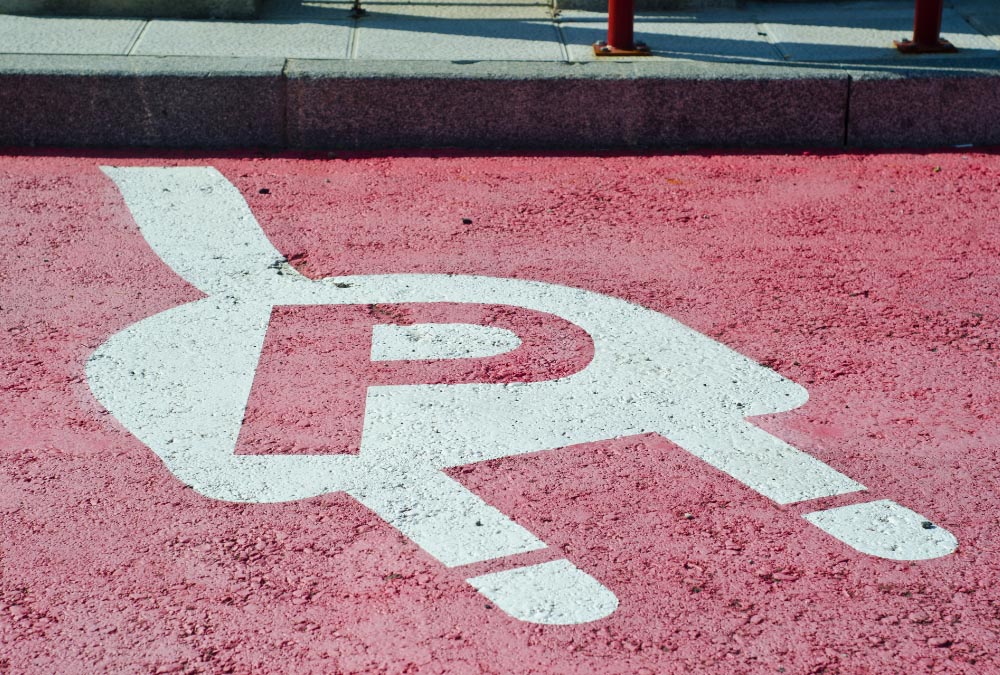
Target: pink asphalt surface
871,280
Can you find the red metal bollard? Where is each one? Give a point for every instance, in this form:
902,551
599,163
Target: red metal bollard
926,30
621,38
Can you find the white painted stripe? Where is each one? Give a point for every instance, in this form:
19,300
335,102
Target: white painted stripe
391,342
885,529
442,516
554,593
200,225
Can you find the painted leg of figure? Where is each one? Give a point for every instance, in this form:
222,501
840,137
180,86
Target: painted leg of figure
786,475
458,528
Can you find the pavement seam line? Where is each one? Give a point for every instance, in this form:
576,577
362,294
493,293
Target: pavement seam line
970,20
764,31
352,40
560,36
285,104
847,111
138,36
974,21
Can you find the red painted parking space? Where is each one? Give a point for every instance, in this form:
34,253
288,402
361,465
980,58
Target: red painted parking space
213,461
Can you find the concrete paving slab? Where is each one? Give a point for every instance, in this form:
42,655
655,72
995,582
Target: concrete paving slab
864,34
277,38
553,105
461,3
458,33
974,6
651,5
307,10
987,23
703,36
60,35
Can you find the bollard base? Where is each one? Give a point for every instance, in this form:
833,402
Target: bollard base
638,49
913,47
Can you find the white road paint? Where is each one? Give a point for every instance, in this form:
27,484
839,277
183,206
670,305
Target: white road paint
180,381
555,593
441,516
649,373
440,341
885,529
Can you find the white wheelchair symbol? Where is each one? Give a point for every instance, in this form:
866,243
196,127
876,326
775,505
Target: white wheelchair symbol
180,381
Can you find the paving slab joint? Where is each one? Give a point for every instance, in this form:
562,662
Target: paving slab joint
283,97
847,112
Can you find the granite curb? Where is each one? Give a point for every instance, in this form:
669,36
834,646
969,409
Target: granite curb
196,102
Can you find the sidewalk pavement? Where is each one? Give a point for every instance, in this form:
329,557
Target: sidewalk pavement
501,74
